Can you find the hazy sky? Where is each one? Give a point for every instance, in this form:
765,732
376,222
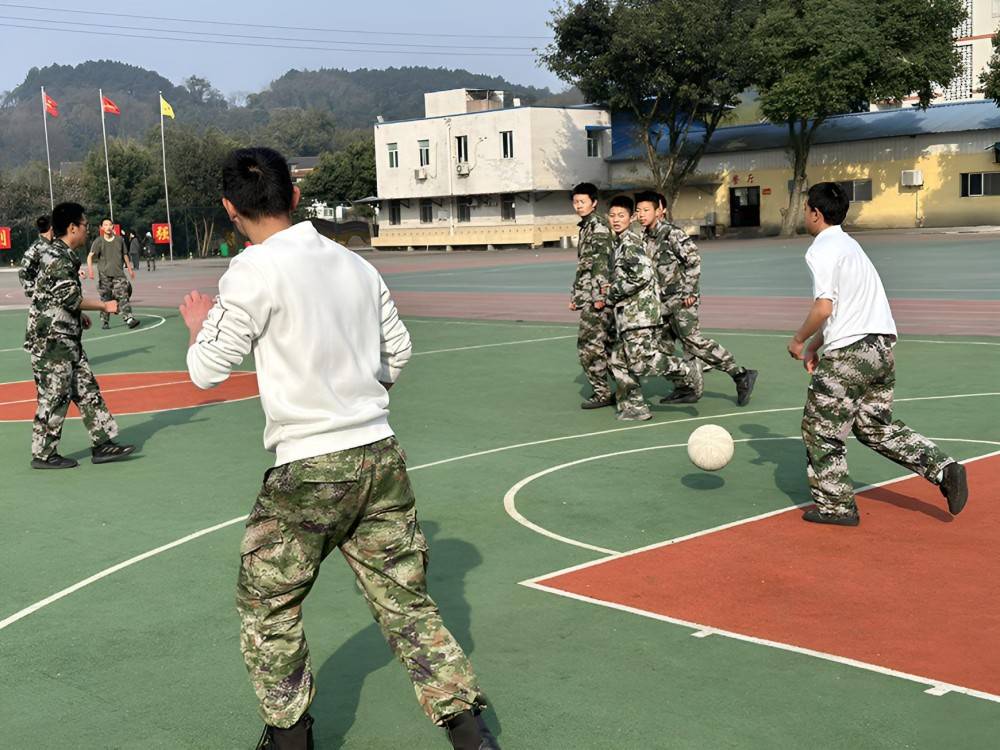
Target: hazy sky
475,28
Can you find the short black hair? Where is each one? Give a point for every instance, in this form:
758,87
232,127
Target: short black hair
662,200
44,224
257,182
585,188
622,201
831,200
108,218
647,196
65,214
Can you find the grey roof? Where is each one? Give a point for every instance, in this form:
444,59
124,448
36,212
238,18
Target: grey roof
862,126
303,162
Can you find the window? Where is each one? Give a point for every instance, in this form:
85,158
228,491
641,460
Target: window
507,144
393,155
976,184
464,204
508,209
964,29
961,85
424,147
593,143
426,211
462,148
394,212
857,190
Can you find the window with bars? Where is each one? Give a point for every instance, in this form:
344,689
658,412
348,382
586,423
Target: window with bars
507,144
508,209
464,205
961,85
425,152
594,143
393,155
976,184
462,148
395,214
426,211
858,191
964,29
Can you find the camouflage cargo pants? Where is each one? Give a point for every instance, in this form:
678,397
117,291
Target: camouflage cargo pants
695,380
359,501
686,329
60,382
594,342
851,391
639,352
119,289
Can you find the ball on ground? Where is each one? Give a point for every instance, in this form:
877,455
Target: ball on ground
710,447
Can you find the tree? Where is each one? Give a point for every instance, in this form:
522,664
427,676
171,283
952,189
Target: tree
677,66
819,58
133,183
343,176
203,92
24,196
299,132
990,79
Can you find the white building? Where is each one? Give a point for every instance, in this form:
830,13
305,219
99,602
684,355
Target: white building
473,172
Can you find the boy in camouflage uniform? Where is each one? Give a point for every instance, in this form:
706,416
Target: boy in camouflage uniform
634,296
853,371
678,269
53,339
340,478
596,334
28,271
111,255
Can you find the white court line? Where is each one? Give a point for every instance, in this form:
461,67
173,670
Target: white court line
89,341
490,346
935,687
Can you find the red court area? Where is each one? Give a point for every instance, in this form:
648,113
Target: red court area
131,393
911,589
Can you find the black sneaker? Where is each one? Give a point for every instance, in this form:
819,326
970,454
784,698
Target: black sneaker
744,386
681,396
468,731
848,519
133,323
598,402
105,326
55,461
299,736
110,451
955,487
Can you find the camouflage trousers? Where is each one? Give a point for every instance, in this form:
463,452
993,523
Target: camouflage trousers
60,382
119,289
695,379
639,352
594,343
851,391
684,325
359,501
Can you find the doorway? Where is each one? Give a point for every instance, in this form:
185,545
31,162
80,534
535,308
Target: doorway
744,207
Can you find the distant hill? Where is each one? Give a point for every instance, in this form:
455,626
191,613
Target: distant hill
352,98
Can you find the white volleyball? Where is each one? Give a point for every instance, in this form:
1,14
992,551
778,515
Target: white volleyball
710,447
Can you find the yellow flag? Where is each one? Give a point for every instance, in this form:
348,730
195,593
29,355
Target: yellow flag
165,109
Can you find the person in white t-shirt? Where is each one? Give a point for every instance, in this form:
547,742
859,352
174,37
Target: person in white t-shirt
846,345
328,344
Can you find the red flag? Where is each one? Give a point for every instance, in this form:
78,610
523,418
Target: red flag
109,106
51,106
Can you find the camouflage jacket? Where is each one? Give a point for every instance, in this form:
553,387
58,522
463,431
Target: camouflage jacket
634,292
593,267
29,265
54,320
675,256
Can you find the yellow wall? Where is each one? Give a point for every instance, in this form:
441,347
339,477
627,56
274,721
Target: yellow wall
478,234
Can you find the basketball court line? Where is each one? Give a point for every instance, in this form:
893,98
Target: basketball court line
934,687
91,340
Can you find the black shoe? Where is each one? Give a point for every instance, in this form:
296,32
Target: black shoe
299,736
105,326
955,487
814,516
468,731
596,402
681,396
744,386
55,461
110,451
134,323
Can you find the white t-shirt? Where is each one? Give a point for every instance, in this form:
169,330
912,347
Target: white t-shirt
843,274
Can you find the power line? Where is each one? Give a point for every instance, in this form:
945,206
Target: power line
299,47
216,34
267,26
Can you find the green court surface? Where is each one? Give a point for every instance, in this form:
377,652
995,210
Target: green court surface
148,656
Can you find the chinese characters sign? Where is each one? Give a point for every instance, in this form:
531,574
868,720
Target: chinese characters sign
161,234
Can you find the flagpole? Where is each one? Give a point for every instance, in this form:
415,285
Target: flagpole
107,165
166,190
48,158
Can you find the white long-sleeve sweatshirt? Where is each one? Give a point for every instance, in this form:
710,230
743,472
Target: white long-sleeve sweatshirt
324,333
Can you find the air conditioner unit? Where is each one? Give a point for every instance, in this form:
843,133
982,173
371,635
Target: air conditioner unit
912,178
420,173
462,168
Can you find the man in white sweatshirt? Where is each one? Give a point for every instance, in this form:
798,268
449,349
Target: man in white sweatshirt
850,334
328,344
